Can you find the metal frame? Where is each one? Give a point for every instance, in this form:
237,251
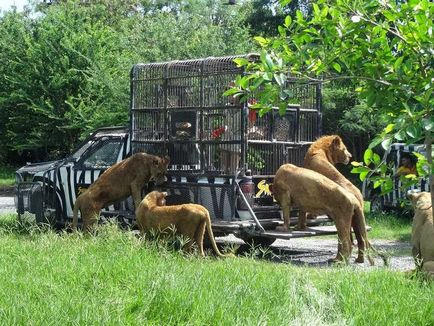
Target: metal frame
163,93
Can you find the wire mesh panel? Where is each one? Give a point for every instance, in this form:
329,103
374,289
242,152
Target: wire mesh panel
219,199
178,109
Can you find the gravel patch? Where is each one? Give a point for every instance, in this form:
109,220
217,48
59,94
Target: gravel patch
316,252
7,205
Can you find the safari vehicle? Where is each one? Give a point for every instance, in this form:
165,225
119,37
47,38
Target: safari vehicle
396,198
222,155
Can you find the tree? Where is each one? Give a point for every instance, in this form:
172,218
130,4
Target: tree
266,15
386,46
65,71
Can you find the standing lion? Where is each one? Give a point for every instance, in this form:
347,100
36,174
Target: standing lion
121,180
321,157
315,193
189,220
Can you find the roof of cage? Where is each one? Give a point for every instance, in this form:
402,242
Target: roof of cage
207,65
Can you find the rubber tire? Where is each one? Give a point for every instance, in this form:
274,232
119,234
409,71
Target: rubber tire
377,205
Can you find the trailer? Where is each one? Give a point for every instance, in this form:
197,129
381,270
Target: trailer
222,154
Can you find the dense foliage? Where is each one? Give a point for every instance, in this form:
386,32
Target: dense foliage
384,46
64,68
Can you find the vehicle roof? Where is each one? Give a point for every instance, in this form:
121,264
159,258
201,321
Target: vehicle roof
408,147
111,131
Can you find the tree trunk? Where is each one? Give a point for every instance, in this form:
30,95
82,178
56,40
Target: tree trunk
428,146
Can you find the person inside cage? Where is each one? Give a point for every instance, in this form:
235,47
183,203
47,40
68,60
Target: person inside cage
407,165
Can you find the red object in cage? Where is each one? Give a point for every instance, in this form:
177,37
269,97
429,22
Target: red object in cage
216,133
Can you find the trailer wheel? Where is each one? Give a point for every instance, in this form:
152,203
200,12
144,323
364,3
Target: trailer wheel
53,220
257,240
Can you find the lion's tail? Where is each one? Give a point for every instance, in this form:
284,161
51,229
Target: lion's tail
77,206
364,233
211,237
384,256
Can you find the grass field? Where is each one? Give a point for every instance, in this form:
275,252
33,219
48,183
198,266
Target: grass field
7,176
389,227
117,279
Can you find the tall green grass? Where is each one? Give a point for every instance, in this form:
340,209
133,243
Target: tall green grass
7,176
389,226
115,278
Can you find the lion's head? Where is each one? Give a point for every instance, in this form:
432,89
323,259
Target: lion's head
159,169
339,151
420,200
155,198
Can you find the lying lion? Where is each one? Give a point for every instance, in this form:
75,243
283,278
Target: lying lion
422,232
315,193
189,220
121,180
321,157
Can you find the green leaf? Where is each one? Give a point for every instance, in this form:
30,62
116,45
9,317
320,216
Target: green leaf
389,128
377,184
376,159
316,9
280,78
269,61
337,66
428,124
240,62
398,63
360,169
261,40
386,186
288,21
355,163
363,175
375,142
386,143
414,131
231,91
370,100
324,11
367,157
268,76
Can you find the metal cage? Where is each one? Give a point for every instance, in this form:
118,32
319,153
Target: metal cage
178,109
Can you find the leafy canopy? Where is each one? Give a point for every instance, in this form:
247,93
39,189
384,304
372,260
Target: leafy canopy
386,46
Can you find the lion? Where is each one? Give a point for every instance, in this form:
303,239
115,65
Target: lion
189,220
321,157
121,180
315,193
422,232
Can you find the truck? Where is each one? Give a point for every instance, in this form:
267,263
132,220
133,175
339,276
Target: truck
222,154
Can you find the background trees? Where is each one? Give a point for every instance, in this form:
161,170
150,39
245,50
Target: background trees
386,47
64,67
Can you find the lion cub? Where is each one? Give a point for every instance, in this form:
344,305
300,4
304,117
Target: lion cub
189,220
422,232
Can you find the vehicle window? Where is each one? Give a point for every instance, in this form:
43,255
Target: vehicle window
104,155
82,149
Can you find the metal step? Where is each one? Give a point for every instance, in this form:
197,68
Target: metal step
309,232
230,226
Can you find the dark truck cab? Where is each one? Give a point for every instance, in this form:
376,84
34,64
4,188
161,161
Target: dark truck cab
222,154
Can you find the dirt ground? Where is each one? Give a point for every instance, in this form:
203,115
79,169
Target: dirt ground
316,251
